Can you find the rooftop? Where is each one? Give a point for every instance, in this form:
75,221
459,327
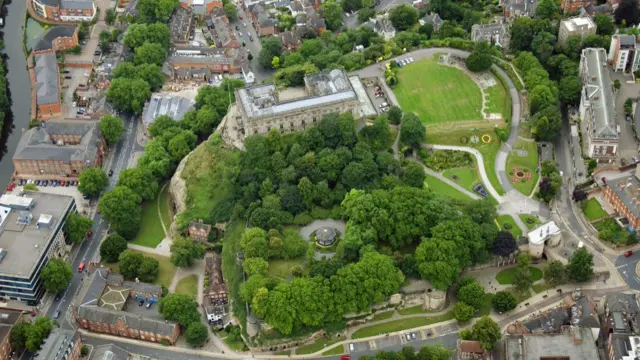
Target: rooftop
597,85
578,23
549,321
7,319
572,343
628,191
496,33
40,143
202,54
45,42
69,4
625,347
180,24
46,71
109,352
322,88
55,346
22,236
626,40
166,104
541,233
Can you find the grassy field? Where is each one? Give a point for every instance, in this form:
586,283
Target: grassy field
526,217
519,295
488,151
438,93
163,205
318,345
165,274
338,350
507,219
497,101
151,232
486,306
398,325
593,210
440,187
467,177
413,310
528,163
538,288
188,285
505,277
282,268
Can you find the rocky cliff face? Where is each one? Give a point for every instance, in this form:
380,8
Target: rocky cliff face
178,191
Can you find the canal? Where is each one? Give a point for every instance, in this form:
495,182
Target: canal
19,86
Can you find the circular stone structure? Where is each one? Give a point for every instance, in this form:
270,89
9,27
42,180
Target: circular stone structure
326,236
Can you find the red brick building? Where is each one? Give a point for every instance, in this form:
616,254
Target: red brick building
199,231
574,5
47,85
58,38
195,59
217,292
65,10
624,196
8,318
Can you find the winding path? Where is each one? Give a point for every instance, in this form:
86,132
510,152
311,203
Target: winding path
512,202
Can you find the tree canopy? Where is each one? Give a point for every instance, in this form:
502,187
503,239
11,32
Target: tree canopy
121,208
580,267
92,181
76,227
56,275
112,247
180,308
111,128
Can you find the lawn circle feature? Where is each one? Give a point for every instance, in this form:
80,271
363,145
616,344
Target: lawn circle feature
464,139
486,138
475,139
521,175
325,236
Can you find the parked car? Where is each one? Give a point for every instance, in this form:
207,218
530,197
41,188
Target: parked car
250,37
110,172
62,183
56,314
45,182
37,182
58,296
237,28
628,253
65,71
97,53
244,24
241,18
68,77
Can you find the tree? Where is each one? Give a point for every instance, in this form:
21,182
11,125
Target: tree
37,333
256,265
18,336
403,17
76,227
505,244
184,251
84,350
110,17
152,74
129,94
149,269
522,278
275,62
522,33
394,114
578,195
366,14
150,53
546,9
92,181
231,11
463,312
140,180
156,10
111,128
549,187
56,275
412,131
130,262
604,24
112,247
580,267
570,88
271,47
413,175
555,273
486,331
617,84
479,61
628,12
121,208
471,294
180,308
197,333
503,301
332,14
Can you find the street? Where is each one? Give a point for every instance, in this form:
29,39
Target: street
626,266
253,47
123,152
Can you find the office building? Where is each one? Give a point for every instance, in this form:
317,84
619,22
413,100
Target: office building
575,26
623,53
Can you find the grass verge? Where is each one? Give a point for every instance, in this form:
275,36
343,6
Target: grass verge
318,345
519,166
507,223
398,325
281,269
505,277
338,350
440,187
188,285
531,221
593,210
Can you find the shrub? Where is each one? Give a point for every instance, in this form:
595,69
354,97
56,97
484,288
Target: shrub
506,226
445,159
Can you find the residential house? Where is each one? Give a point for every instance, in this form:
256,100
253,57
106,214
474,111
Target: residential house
8,319
432,19
217,292
420,4
597,114
196,62
593,10
58,38
62,148
623,194
471,350
290,39
61,344
47,85
575,26
569,6
221,32
496,34
65,10
199,231
266,25
315,22
382,26
110,305
621,325
517,8
181,26
109,352
201,7
296,8
624,53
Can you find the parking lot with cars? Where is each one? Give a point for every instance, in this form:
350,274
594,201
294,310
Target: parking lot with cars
72,79
378,98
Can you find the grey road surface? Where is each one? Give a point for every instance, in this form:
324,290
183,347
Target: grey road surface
626,266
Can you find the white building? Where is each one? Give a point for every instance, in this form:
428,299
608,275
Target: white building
623,53
547,233
575,26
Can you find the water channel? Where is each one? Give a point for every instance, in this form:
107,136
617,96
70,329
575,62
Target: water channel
19,86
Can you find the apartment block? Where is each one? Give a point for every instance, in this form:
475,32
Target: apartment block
575,26
624,54
65,10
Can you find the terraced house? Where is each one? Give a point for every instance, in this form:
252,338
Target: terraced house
65,10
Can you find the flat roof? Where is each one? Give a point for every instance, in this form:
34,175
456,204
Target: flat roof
542,232
367,108
572,24
24,244
55,346
573,343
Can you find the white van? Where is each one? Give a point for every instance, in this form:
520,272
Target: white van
351,347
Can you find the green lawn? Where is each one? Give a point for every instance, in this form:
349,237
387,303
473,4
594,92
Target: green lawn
593,210
507,221
440,187
505,277
486,306
497,101
318,345
526,164
519,295
413,310
530,220
188,285
438,93
466,177
452,136
382,315
398,325
163,205
282,268
151,232
165,274
338,350
538,288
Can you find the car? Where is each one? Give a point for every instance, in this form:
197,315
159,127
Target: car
65,71
62,183
411,59
110,172
250,38
67,184
37,182
81,267
345,357
57,297
22,181
408,337
29,181
239,34
141,302
237,28
45,182
241,18
79,112
68,77
384,104
148,305
413,336
628,253
56,314
74,104
244,24
429,334
635,159
97,53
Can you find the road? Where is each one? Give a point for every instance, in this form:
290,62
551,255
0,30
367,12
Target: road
253,47
123,152
626,266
